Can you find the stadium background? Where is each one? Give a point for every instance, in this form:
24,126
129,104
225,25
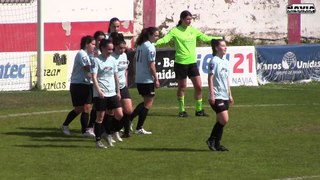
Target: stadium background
64,26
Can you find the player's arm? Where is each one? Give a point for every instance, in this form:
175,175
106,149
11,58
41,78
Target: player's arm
211,91
165,39
116,79
211,70
154,73
205,38
94,72
96,85
231,101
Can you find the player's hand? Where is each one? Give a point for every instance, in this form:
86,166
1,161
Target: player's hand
157,84
212,101
101,95
119,96
231,101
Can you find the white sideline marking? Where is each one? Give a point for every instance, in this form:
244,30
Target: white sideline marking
175,107
299,178
32,113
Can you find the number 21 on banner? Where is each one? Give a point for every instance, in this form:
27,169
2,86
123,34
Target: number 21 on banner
240,61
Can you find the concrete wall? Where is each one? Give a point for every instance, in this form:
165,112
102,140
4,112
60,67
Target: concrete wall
259,19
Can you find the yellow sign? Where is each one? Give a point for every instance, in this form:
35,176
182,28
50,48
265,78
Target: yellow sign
55,72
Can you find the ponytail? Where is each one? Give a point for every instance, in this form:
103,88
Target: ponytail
183,15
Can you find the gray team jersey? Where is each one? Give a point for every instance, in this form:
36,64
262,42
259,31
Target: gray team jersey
145,54
79,75
122,63
105,68
221,70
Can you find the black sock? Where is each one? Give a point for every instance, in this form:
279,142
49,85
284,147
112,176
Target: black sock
84,121
142,117
118,124
126,123
215,131
137,110
98,131
107,123
93,117
70,117
219,135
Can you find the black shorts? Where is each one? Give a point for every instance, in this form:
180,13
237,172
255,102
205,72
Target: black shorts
124,92
81,94
146,89
184,70
220,105
102,104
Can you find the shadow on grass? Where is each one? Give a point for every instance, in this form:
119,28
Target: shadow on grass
42,133
52,146
48,138
166,149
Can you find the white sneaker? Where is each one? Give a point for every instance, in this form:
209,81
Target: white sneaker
105,136
88,133
109,139
100,145
65,130
116,135
142,131
131,127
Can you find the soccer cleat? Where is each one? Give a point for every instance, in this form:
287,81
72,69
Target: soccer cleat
109,140
211,144
104,135
183,114
142,131
88,134
221,148
201,113
131,126
126,135
116,135
65,130
100,145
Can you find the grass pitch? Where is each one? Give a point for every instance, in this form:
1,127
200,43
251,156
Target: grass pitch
273,133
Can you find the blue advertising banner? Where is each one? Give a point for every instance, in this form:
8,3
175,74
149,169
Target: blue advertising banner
288,63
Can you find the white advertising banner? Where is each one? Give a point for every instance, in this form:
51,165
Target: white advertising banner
242,64
15,71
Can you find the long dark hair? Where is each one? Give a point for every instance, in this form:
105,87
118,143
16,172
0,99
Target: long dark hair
85,40
116,38
112,20
98,33
215,43
103,44
145,33
183,15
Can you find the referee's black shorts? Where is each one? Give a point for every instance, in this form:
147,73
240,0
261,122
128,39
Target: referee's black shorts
183,71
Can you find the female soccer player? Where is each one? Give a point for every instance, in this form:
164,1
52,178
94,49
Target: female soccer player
81,87
146,77
114,26
98,36
219,92
185,37
106,88
126,102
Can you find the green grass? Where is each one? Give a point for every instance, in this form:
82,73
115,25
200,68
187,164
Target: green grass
273,133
